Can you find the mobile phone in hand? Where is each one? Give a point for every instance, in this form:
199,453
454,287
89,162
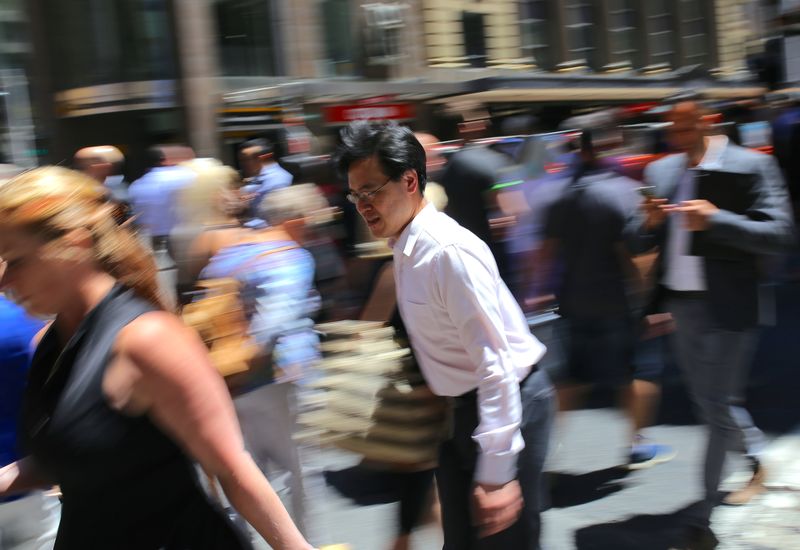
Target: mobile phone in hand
647,191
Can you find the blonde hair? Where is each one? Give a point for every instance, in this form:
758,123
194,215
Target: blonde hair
204,199
51,201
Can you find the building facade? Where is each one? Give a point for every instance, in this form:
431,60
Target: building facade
212,72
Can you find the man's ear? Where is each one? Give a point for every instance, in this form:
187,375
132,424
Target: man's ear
411,180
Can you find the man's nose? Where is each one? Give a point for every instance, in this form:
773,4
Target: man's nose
362,205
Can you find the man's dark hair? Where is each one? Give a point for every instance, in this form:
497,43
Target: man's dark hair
155,156
263,146
395,147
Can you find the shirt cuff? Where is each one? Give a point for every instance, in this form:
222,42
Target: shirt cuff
496,469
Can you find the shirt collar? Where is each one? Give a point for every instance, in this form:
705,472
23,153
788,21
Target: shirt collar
269,168
712,160
113,180
409,236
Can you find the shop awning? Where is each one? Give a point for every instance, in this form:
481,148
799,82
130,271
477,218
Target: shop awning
595,94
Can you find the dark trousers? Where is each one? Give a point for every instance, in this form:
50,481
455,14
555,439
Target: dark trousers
715,364
458,457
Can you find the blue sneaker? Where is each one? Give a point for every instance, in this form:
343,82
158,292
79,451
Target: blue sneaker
645,455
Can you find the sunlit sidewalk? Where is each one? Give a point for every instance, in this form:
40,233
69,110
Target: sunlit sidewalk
772,520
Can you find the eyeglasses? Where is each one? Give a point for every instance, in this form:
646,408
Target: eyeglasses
367,197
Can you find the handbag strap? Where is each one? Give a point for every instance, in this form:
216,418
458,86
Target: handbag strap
251,261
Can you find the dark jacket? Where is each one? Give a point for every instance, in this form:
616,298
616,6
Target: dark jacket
766,228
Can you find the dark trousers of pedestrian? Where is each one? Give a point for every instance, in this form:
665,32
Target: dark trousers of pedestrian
715,364
457,461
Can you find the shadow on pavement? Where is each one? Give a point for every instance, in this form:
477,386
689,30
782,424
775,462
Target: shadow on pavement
573,490
650,532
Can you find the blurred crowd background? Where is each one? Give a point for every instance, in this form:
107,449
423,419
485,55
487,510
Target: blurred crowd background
204,117
133,73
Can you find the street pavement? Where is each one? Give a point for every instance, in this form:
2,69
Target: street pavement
595,505
598,506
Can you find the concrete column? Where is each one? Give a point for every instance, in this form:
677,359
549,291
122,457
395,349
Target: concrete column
733,34
197,51
414,63
302,36
443,33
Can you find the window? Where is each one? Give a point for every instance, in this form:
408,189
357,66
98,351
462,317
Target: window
383,33
473,25
622,25
246,37
99,42
580,32
339,43
661,36
694,33
534,16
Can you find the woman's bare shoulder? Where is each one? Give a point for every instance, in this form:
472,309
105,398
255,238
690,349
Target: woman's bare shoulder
153,333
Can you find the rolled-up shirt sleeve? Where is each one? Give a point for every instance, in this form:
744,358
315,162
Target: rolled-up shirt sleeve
468,287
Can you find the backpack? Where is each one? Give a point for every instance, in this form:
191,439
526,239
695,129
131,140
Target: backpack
219,316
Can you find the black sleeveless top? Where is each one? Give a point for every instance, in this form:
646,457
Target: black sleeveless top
125,484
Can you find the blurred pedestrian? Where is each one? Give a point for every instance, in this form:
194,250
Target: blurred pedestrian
262,173
153,199
590,233
277,279
29,520
470,339
154,196
205,206
786,139
105,163
714,299
122,398
468,179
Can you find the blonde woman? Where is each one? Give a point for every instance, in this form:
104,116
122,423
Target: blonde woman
277,280
204,206
121,397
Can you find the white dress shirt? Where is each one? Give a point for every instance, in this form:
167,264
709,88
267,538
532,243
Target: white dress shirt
154,198
683,271
467,331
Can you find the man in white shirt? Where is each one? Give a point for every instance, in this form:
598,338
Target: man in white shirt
470,339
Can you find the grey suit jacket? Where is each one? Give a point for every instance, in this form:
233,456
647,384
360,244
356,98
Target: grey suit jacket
766,228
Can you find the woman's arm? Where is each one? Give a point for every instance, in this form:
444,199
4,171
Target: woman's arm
172,380
22,476
199,254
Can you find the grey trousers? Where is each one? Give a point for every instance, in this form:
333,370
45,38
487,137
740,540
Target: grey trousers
268,418
715,363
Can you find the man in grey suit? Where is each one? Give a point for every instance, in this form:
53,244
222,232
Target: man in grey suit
714,301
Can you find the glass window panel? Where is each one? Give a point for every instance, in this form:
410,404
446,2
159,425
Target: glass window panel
622,31
535,31
339,43
580,32
694,32
245,37
101,42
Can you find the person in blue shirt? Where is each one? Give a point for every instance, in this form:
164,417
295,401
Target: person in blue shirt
257,159
29,520
154,195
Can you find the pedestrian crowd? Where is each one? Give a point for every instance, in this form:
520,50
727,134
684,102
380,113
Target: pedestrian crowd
160,340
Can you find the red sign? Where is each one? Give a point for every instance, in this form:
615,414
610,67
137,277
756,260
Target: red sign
344,114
